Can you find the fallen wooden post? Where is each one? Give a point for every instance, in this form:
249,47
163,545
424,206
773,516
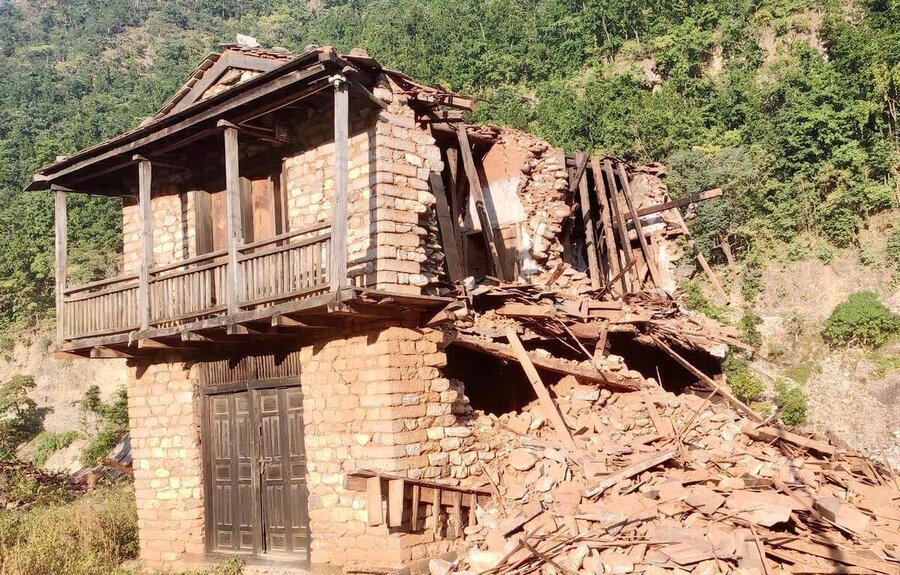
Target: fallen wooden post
550,408
629,472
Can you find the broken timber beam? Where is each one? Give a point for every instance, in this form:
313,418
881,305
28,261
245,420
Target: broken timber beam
737,403
478,195
692,199
638,228
549,364
587,219
629,472
612,254
449,236
551,410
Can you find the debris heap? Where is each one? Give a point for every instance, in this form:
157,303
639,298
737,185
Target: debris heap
658,482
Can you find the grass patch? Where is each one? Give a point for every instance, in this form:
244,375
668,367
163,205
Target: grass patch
695,300
112,423
803,371
882,363
88,536
49,442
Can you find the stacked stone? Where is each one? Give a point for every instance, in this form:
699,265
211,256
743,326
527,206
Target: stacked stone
405,156
167,470
174,229
377,401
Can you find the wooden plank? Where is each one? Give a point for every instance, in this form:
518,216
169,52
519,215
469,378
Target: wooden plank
551,411
203,223
436,512
449,236
477,194
396,488
701,259
691,199
145,176
233,219
550,364
612,254
768,434
629,472
619,221
373,501
638,227
338,265
737,403
834,553
414,508
587,220
457,514
61,240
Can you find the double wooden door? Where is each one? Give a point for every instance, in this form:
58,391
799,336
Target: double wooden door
256,473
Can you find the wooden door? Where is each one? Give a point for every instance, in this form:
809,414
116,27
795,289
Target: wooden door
257,472
283,472
231,473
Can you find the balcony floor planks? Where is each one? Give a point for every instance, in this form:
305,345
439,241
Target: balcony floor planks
321,306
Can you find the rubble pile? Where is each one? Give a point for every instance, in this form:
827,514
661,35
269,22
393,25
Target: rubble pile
659,483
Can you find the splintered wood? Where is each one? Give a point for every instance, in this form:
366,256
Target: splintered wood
664,483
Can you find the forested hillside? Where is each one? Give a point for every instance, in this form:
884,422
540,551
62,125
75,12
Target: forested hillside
790,106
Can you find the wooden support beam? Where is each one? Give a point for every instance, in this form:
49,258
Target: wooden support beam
233,221
61,224
587,220
373,501
395,502
102,352
549,407
607,230
620,222
254,133
414,508
691,199
338,265
145,182
477,195
638,228
449,236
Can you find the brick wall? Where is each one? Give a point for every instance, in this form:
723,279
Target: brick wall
373,399
167,467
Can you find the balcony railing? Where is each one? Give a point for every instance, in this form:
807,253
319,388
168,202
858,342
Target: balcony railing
289,266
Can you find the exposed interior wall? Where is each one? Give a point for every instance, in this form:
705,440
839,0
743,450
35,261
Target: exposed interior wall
174,227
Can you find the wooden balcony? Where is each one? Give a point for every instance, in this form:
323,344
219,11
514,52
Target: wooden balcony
287,267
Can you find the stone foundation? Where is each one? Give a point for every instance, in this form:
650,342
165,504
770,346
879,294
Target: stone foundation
373,399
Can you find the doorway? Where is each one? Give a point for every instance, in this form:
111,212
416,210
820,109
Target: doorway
255,470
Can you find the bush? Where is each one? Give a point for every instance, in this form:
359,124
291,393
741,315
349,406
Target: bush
861,320
893,249
112,423
49,442
20,419
792,402
744,385
696,301
749,326
87,536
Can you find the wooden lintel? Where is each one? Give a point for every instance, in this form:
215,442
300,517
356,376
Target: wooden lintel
68,355
151,343
253,132
102,352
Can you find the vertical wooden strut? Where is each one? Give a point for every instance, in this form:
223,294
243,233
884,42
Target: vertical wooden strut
145,181
62,240
338,265
588,221
638,228
612,254
478,195
620,221
233,221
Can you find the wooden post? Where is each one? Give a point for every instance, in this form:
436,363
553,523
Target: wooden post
62,240
233,221
338,265
612,253
145,180
477,194
448,230
619,221
588,221
638,228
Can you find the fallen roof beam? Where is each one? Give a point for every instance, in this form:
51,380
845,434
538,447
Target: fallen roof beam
692,199
584,374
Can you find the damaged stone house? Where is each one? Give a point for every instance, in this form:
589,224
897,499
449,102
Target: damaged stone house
298,303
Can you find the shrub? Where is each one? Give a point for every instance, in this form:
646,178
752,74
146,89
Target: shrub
861,320
112,423
792,402
19,416
695,300
893,249
749,326
49,442
744,385
87,536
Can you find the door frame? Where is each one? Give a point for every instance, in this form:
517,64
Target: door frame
251,386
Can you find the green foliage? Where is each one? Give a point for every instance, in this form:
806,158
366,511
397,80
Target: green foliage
49,442
694,299
744,385
893,249
861,320
111,423
792,401
231,566
20,419
749,326
87,536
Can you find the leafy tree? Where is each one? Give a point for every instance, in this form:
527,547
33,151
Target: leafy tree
19,416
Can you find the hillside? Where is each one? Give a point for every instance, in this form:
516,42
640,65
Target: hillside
789,106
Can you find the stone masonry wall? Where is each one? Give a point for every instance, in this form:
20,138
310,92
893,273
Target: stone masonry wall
167,465
373,399
174,229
